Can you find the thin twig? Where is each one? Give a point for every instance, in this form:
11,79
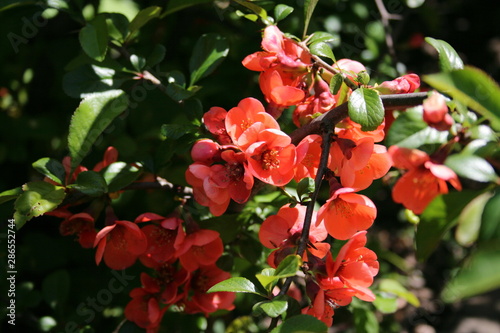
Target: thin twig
385,17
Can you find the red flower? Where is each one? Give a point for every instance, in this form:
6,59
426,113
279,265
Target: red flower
272,157
202,247
401,85
308,153
196,297
436,112
346,212
281,88
81,224
347,157
423,181
120,244
214,120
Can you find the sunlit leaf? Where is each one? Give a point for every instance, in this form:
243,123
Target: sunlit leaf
322,49
51,168
366,108
469,221
472,167
235,284
273,308
394,287
10,194
120,174
448,57
281,11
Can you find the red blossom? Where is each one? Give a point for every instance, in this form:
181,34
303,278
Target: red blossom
202,247
81,224
436,113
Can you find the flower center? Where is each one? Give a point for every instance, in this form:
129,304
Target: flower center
270,159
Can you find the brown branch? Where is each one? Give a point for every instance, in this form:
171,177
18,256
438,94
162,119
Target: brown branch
385,17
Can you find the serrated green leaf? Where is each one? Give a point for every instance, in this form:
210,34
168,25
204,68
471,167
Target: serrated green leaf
55,288
439,216
472,87
51,168
91,118
301,324
237,285
469,221
472,167
120,174
448,57
143,17
281,11
37,199
366,108
490,220
10,194
322,49
480,274
94,38
209,51
273,308
396,288
90,183
321,36
409,130
89,79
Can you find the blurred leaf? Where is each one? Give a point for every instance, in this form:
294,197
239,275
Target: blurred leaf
90,183
394,287
27,296
120,174
157,55
130,327
480,274
469,221
259,11
365,321
143,17
176,131
305,187
235,284
94,38
10,194
448,57
177,92
386,304
336,83
490,220
472,167
137,62
176,5
438,218
55,288
117,26
273,308
47,323
322,49
409,130
309,6
37,199
414,3
91,118
224,225
472,87
301,324
209,51
366,108
51,168
89,79
281,11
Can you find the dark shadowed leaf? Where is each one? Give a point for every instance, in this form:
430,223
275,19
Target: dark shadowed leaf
301,324
209,51
94,38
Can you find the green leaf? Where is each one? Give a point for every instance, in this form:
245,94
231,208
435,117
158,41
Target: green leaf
448,57
438,218
490,220
209,51
322,49
137,62
90,183
177,92
472,87
472,167
273,308
55,288
259,11
480,274
143,17
321,36
394,287
305,187
281,12
235,284
386,303
365,321
117,26
51,168
176,5
176,131
309,6
94,38
469,221
409,130
157,55
10,194
120,174
366,108
301,324
336,83
89,79
37,199
91,118
288,266
224,225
